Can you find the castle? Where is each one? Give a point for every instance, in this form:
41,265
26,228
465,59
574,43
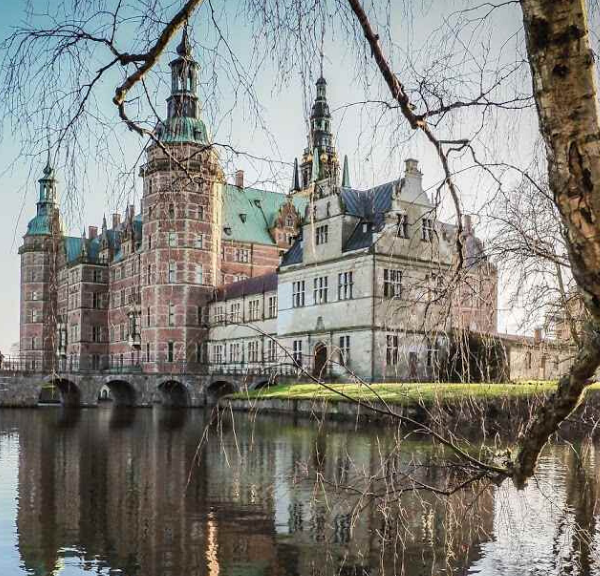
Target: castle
217,276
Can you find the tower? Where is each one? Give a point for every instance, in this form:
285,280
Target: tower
39,253
319,161
181,227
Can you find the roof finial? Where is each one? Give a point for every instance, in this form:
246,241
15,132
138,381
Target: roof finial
295,177
346,173
185,48
48,168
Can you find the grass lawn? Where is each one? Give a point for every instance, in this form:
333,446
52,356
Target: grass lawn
401,393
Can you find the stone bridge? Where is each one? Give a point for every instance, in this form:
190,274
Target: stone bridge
22,389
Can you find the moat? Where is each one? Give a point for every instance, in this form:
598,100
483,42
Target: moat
163,492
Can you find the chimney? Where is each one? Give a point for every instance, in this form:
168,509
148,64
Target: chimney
92,232
467,225
412,166
116,220
239,178
537,335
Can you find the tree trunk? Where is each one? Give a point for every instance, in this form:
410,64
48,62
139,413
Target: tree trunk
564,84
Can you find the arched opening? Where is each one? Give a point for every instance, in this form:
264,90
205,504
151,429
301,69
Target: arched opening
70,394
121,392
49,394
173,394
104,395
263,384
217,390
320,360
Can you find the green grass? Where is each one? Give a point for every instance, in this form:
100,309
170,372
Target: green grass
401,393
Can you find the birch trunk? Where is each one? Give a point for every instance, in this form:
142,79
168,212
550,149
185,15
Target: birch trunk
564,83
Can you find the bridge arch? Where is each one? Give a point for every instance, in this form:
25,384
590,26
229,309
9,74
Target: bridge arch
70,394
264,383
218,389
174,394
122,392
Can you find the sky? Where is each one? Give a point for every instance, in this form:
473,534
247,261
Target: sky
283,98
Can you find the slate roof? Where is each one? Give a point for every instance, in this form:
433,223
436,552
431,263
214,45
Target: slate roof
256,285
260,208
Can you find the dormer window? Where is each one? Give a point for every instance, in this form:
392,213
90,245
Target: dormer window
427,230
402,230
243,217
321,234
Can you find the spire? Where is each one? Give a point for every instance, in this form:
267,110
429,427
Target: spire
295,177
320,118
47,183
316,165
346,173
104,224
183,102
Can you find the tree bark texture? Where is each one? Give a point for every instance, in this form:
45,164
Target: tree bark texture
564,84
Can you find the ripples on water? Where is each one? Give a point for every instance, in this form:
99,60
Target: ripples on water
115,492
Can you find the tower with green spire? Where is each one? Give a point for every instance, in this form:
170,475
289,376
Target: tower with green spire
181,225
39,256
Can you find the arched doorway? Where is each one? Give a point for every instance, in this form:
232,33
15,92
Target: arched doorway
121,392
173,394
70,395
217,390
320,360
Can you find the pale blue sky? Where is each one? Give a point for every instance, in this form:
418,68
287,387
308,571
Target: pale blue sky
283,110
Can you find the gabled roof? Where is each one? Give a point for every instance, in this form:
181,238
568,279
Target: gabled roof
248,287
249,213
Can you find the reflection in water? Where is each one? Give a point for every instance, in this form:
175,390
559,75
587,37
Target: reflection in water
138,492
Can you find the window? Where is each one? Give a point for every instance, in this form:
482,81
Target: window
200,212
344,350
235,312
36,315
121,331
170,352
392,283
150,242
200,313
148,274
253,351
297,352
272,307
35,295
427,230
402,230
271,350
235,352
345,285
171,211
172,239
199,274
218,354
200,241
254,310
172,272
33,343
123,301
148,316
298,294
96,300
97,276
289,221
320,290
147,352
96,334
219,316
391,351
171,314
321,234
242,255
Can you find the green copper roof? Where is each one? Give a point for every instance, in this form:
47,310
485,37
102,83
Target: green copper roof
182,130
39,225
249,213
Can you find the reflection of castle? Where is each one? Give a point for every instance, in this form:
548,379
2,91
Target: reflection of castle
94,491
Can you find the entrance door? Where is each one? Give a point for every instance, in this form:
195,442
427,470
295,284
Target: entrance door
320,360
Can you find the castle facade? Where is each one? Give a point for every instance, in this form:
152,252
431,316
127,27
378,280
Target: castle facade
324,272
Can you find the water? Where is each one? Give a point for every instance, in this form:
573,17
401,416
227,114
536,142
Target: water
159,493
